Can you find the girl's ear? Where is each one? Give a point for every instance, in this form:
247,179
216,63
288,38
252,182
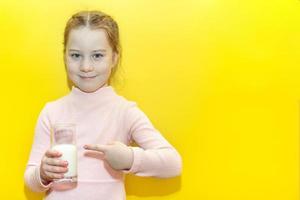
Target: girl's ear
115,59
65,61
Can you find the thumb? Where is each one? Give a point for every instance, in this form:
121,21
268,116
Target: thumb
112,142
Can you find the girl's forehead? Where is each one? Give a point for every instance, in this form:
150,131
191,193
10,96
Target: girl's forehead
88,39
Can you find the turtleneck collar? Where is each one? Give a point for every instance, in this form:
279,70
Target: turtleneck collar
89,100
100,92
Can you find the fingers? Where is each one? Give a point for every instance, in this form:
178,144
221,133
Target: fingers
54,161
96,147
52,176
117,143
52,153
112,142
52,166
54,169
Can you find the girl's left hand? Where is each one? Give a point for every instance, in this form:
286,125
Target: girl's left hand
118,155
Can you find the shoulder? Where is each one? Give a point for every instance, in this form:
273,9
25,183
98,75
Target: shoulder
55,105
131,109
125,102
128,107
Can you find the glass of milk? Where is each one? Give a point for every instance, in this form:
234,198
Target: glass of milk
63,139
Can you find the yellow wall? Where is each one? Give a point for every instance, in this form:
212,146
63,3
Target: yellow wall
219,79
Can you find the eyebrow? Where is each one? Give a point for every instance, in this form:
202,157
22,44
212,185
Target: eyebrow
103,50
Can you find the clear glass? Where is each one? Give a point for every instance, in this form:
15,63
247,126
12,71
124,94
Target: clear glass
63,139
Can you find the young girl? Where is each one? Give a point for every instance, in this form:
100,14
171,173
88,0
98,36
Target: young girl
106,123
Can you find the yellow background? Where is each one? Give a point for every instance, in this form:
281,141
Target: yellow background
219,79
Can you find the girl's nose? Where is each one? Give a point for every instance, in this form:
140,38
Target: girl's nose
86,67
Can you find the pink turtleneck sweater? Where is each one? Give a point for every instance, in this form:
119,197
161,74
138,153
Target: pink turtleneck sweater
101,117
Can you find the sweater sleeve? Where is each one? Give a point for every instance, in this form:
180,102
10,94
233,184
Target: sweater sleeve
41,142
155,156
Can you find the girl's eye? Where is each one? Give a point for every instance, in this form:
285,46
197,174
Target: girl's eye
97,56
75,55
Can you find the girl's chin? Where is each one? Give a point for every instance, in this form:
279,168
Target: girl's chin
89,88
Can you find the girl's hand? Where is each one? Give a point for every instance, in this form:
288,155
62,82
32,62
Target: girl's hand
118,155
51,167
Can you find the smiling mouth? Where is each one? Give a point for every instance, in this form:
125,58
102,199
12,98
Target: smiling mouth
87,77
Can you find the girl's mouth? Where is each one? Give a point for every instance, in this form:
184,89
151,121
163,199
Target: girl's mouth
87,77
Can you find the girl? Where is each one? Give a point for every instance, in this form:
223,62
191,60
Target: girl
106,123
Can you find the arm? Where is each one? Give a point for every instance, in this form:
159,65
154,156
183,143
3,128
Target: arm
155,156
40,144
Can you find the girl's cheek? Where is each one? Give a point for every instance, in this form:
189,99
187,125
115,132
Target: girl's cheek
73,62
103,68
73,65
104,64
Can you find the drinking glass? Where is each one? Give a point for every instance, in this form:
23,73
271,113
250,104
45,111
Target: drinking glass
63,140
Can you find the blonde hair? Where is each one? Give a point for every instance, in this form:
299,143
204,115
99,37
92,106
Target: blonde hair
96,20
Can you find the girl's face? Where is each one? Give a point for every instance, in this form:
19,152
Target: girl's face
89,58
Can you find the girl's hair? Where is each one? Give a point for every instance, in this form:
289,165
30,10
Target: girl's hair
96,20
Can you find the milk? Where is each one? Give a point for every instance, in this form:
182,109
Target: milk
69,153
